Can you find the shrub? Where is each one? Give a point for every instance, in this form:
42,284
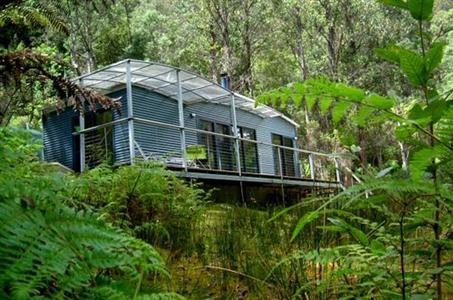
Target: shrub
146,200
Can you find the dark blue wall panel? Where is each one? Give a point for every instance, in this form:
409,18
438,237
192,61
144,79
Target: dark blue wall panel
57,137
156,140
120,131
161,141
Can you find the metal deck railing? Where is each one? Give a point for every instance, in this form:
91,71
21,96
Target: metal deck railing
204,151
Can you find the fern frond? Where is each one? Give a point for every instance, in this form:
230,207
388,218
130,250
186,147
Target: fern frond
444,129
62,250
339,98
32,14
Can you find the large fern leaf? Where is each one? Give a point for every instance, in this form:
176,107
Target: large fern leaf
61,251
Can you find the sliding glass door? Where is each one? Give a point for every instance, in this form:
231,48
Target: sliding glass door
282,156
208,141
224,148
249,151
220,149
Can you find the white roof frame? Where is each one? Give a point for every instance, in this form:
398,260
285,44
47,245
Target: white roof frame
162,79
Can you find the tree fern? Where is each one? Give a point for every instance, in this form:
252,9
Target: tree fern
31,13
61,251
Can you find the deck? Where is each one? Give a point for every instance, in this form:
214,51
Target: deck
289,166
222,175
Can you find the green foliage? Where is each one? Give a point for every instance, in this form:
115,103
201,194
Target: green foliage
395,218
243,249
55,251
32,13
51,250
395,3
349,248
340,110
419,9
417,68
338,99
365,262
422,160
145,199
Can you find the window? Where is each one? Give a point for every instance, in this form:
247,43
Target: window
286,158
224,147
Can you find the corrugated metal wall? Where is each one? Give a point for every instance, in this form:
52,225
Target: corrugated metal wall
157,140
120,131
57,137
160,140
60,144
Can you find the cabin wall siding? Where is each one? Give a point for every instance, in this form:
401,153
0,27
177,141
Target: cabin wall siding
159,140
120,134
57,137
59,142
166,141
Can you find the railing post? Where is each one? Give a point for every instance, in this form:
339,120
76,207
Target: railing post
236,134
130,111
82,140
182,133
337,170
312,166
105,144
280,166
82,135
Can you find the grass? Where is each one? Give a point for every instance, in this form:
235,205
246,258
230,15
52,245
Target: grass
240,254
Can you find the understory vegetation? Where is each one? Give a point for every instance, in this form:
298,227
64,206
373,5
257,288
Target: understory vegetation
369,81
139,232
135,232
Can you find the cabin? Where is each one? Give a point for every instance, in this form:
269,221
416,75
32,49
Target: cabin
199,128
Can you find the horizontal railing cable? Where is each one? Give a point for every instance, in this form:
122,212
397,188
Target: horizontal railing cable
257,157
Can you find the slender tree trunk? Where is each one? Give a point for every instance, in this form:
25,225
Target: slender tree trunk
331,49
404,150
219,12
82,27
363,151
436,227
402,262
213,51
128,11
331,37
247,74
299,46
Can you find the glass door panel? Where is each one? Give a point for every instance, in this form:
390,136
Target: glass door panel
249,151
209,142
286,159
224,148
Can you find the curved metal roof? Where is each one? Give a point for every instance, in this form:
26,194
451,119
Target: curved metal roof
162,79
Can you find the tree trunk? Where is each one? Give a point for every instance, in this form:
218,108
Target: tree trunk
247,78
299,47
213,53
330,37
220,16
